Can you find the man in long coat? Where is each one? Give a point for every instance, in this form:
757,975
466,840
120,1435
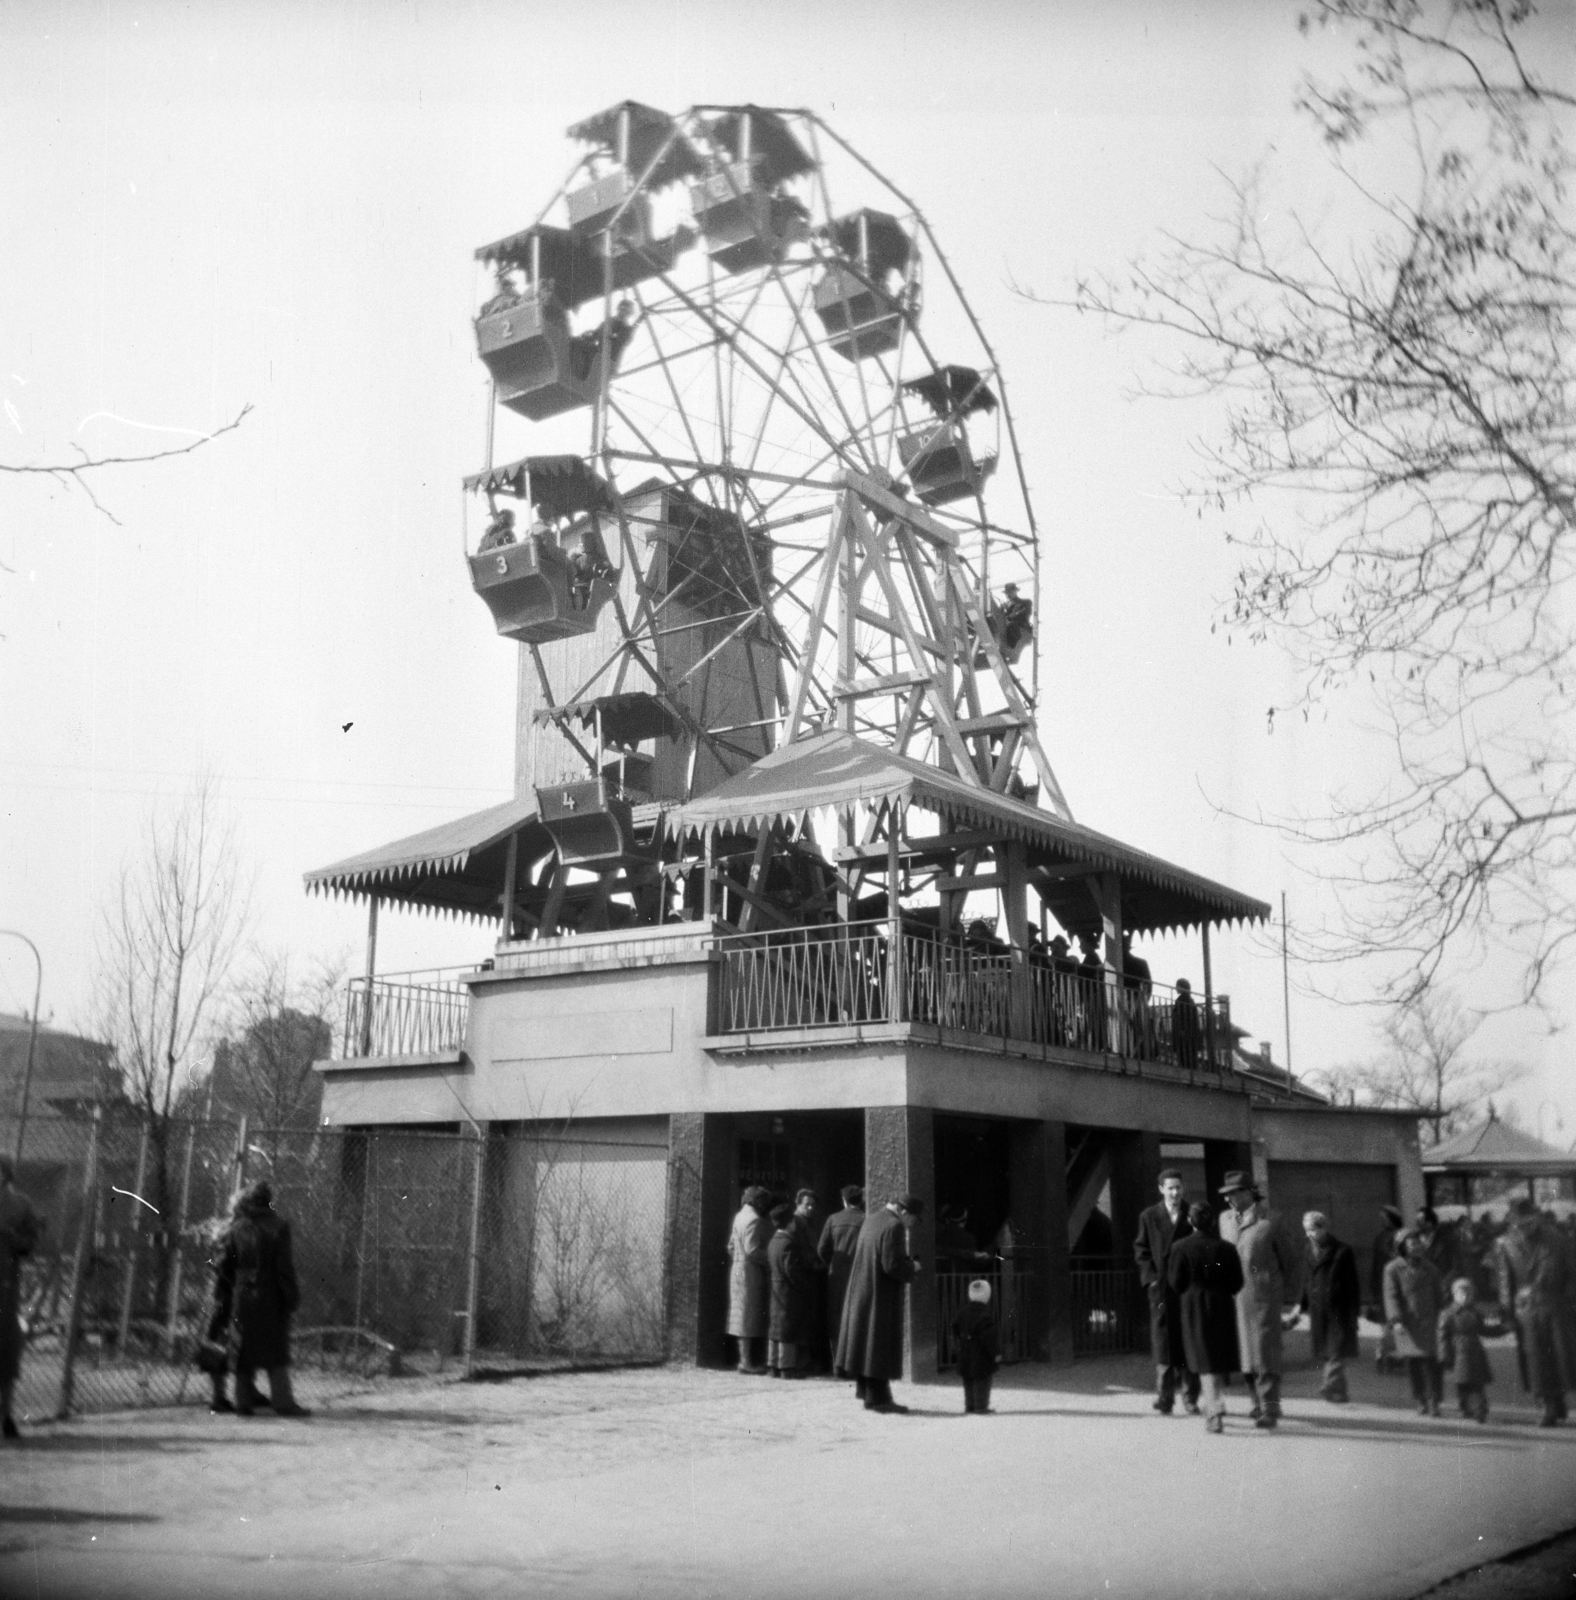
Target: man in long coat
1159,1228
836,1250
1205,1274
1267,1264
256,1289
870,1338
749,1279
1332,1297
1535,1287
19,1231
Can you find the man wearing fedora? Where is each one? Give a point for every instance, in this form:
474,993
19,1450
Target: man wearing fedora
1159,1227
870,1339
1267,1264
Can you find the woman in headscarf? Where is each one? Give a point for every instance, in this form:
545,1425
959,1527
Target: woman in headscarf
256,1288
1414,1295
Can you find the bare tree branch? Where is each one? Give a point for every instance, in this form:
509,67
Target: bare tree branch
1398,407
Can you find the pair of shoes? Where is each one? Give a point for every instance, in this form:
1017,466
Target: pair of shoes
753,1372
8,1429
775,1372
1547,1420
1433,1408
1162,1406
1265,1421
1336,1397
220,1407
889,1407
292,1411
1191,1407
243,1411
1257,1413
1422,1409
1215,1424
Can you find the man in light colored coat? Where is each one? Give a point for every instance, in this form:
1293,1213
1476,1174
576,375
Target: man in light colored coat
1267,1266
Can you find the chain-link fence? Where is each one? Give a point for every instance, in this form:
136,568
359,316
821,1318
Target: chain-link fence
415,1252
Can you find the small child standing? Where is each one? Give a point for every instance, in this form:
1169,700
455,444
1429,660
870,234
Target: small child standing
1461,1350
974,1328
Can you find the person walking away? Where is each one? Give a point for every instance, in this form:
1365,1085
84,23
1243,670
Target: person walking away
1461,1352
749,1279
1205,1273
1266,1266
1535,1286
1383,1255
870,1337
1414,1296
974,1338
836,1249
257,1291
1159,1228
20,1228
794,1271
815,1354
1333,1300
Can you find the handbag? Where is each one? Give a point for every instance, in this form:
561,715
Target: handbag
213,1358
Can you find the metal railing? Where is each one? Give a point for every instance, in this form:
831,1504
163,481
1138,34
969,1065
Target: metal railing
1012,1299
400,1016
1110,1309
839,974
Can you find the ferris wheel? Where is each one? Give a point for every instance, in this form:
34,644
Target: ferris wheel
763,468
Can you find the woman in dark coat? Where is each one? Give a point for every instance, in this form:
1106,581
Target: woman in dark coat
1332,1297
256,1292
1206,1274
794,1273
870,1340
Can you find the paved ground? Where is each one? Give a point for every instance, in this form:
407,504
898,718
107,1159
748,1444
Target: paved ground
672,1482
1547,1571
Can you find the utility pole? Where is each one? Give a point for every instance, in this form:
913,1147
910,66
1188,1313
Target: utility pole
1286,990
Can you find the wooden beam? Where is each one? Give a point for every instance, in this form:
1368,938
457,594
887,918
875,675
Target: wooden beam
863,688
883,500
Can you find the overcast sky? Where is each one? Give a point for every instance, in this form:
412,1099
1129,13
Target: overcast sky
275,205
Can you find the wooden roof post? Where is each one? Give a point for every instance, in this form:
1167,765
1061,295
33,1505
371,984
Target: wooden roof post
894,914
372,967
1013,860
511,868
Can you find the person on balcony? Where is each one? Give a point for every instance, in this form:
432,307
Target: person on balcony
1091,1034
1137,987
839,1238
1205,1274
870,1339
749,1279
1160,1228
618,330
20,1227
1184,1026
507,294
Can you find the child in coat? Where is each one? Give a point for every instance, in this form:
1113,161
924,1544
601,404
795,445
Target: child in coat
974,1328
1461,1351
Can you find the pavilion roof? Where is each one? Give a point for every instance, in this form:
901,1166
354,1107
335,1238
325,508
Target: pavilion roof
837,771
456,867
1494,1146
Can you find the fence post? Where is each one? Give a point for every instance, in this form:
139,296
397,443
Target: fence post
172,1317
474,1273
79,1266
124,1331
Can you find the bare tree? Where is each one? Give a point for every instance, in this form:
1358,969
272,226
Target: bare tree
1398,405
169,941
1424,1068
282,1024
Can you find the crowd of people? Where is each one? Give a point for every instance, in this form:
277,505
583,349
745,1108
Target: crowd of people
1220,1298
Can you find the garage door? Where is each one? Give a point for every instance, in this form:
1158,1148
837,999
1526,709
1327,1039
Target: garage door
1349,1194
